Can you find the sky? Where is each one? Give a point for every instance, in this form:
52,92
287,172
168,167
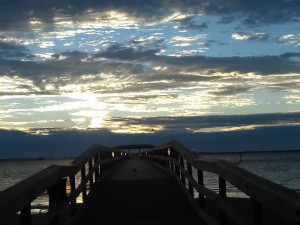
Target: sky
216,75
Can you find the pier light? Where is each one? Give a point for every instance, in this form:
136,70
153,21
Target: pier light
169,152
113,154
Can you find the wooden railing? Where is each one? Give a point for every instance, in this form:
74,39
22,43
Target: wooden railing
264,195
64,184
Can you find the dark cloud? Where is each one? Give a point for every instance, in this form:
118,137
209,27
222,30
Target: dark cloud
232,90
258,64
126,53
291,55
11,50
139,64
252,13
259,36
200,122
264,65
72,143
192,23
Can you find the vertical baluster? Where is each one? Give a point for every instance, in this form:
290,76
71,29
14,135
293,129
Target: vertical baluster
175,164
257,212
190,171
166,161
172,156
102,167
25,216
182,165
57,193
222,193
201,182
91,175
97,173
73,202
82,171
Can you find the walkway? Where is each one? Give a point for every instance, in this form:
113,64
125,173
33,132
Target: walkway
137,192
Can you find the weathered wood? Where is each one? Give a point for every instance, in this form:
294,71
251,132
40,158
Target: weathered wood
222,192
92,176
82,172
57,194
181,161
97,168
201,183
25,215
257,213
73,201
190,171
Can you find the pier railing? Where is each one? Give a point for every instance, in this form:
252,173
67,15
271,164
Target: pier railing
65,185
264,195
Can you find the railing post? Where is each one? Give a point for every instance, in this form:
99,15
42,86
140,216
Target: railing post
25,216
190,171
73,202
222,193
257,212
200,182
91,175
176,157
172,156
82,171
182,165
57,193
97,173
166,161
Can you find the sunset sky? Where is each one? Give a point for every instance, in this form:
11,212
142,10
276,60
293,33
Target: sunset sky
217,75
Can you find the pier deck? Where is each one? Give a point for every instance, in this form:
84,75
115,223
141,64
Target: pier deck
164,185
139,193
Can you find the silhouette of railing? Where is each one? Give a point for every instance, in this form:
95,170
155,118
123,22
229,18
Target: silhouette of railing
62,183
264,195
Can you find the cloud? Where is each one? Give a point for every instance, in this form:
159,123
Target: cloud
143,67
10,50
256,36
289,39
214,122
202,64
232,90
191,22
35,14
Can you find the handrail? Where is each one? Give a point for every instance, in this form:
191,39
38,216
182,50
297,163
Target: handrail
179,160
18,198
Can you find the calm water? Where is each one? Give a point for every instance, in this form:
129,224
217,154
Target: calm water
12,172
281,168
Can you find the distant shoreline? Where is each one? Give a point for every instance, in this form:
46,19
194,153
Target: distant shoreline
34,159
253,151
196,152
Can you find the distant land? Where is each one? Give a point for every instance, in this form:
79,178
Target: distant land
253,151
35,159
196,152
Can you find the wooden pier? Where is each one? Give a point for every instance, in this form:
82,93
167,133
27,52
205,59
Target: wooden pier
160,185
